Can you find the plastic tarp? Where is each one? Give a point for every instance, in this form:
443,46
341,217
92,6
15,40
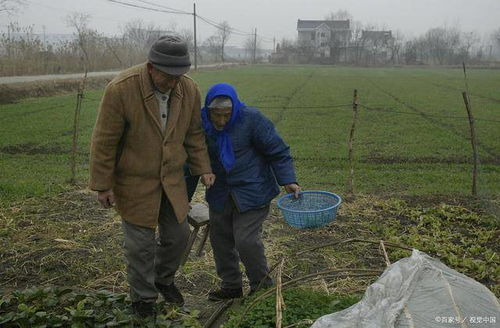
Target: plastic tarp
419,291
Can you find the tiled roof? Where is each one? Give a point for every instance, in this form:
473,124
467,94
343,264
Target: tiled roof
333,24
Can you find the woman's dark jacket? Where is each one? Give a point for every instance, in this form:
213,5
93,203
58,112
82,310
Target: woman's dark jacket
262,162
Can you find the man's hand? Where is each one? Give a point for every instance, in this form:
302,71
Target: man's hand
106,198
208,179
293,188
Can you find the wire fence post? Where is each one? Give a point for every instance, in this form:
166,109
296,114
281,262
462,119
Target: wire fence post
475,155
76,125
350,182
474,143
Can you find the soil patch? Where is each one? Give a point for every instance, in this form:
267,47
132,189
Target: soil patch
68,240
34,149
11,93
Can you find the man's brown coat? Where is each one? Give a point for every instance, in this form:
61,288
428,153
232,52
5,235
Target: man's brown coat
131,154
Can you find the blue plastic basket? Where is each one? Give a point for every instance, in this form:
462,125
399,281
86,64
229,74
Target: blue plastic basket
311,210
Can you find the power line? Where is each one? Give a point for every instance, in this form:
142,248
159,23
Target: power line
307,107
390,110
126,4
171,10
165,7
233,29
220,27
210,21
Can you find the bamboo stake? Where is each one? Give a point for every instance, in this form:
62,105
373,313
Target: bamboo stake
475,155
406,311
350,183
279,295
386,257
79,97
76,125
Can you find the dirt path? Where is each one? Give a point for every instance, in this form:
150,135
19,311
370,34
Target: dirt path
33,78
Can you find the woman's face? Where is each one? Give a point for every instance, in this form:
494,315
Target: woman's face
220,117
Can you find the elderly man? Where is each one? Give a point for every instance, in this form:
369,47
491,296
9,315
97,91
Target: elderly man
249,159
147,128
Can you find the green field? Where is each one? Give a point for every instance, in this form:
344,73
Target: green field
412,135
413,173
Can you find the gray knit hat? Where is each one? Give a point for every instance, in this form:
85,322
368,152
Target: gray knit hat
170,54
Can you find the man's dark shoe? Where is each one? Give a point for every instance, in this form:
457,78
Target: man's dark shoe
171,294
225,294
144,309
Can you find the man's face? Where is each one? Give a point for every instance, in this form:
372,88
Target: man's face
220,116
162,81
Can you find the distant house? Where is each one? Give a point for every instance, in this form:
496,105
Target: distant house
326,38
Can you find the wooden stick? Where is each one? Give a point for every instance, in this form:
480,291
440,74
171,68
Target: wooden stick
405,308
475,155
223,307
279,295
350,183
386,257
302,322
76,125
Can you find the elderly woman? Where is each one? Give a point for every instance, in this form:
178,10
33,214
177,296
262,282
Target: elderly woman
249,160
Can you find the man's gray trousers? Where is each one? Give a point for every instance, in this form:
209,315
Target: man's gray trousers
149,260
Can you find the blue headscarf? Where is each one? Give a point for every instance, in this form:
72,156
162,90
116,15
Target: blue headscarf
226,154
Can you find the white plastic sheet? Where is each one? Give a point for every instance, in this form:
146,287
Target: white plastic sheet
420,291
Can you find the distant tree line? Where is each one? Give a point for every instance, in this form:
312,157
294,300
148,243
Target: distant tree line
369,45
24,52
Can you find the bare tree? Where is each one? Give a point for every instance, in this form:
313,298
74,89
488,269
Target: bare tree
395,47
469,40
141,35
10,6
137,39
410,52
306,50
223,33
187,35
213,47
496,36
356,41
80,21
442,42
252,45
340,14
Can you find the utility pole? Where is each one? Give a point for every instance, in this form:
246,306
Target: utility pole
195,45
255,46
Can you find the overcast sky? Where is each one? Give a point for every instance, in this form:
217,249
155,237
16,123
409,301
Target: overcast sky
272,18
